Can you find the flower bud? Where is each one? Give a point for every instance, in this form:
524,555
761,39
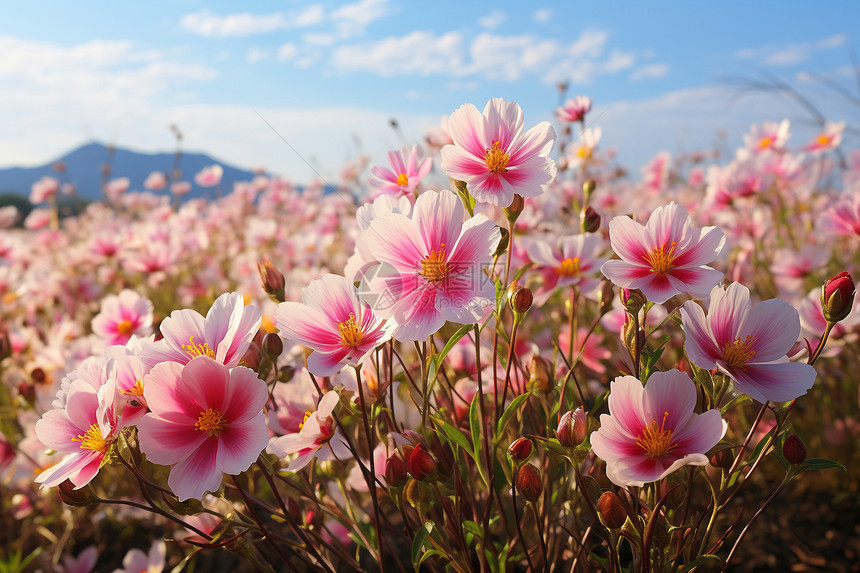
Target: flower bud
519,297
512,211
420,463
273,345
837,297
272,280
587,189
572,428
520,449
504,241
395,471
540,374
589,220
611,510
76,497
794,449
529,483
722,459
632,299
252,357
604,297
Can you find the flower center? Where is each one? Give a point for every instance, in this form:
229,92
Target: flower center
497,160
656,440
765,142
584,152
195,350
569,267
308,414
660,259
350,332
737,354
434,267
136,390
92,439
211,421
824,139
126,328
403,180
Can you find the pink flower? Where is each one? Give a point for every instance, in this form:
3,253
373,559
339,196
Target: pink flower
84,563
843,218
362,259
666,256
136,561
493,155
180,187
748,342
591,353
574,109
767,136
116,187
205,420
585,145
575,259
317,431
829,138
223,335
432,266
84,430
156,181
651,431
44,189
333,322
209,176
405,173
122,316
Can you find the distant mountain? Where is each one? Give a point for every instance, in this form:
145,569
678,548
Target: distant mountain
84,169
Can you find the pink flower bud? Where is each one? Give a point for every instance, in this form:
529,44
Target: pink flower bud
272,280
794,449
572,428
395,471
420,463
529,483
520,449
837,297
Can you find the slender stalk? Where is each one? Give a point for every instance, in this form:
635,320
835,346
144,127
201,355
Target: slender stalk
541,537
520,535
753,520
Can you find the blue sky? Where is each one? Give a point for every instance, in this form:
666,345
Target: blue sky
328,75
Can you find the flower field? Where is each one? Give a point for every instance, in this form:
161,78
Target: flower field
498,351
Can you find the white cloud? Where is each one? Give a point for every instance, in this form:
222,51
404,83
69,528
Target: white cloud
309,16
792,54
287,51
352,19
256,55
650,72
492,20
415,53
489,56
205,23
319,39
542,15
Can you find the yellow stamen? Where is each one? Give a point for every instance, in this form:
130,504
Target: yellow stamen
403,180
434,267
569,267
497,160
824,139
765,142
584,152
656,440
350,332
737,354
126,328
308,414
195,350
211,421
92,439
660,259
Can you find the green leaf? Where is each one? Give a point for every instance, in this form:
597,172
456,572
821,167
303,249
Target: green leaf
510,411
699,560
553,445
454,435
431,553
438,358
736,401
475,428
421,538
821,464
473,528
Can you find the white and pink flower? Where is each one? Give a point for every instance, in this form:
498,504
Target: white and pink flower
574,109
123,315
767,136
573,261
665,257
652,431
205,419
494,157
209,176
318,437
828,139
747,342
333,322
432,265
406,171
